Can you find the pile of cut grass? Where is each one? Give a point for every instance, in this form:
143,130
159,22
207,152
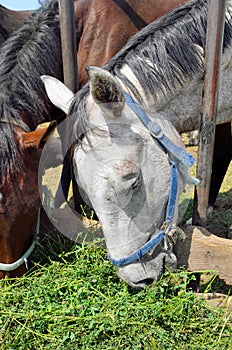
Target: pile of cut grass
76,302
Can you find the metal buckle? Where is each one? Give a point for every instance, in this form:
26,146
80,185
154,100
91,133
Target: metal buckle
173,232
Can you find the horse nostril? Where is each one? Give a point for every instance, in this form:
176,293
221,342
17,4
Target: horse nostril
148,281
145,282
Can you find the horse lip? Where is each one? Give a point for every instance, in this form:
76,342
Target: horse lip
143,283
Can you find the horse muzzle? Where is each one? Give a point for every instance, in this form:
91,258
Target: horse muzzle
149,269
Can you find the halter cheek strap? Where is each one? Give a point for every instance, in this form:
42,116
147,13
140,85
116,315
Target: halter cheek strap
169,229
180,153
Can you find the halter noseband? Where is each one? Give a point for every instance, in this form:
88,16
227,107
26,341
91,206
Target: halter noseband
168,230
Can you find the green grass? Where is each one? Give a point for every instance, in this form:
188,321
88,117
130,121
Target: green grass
76,301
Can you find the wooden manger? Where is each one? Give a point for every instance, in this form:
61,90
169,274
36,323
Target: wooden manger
202,250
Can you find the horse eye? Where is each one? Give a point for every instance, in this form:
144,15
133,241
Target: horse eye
132,180
135,183
1,196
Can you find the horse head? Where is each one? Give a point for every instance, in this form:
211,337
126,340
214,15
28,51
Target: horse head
126,176
25,55
20,198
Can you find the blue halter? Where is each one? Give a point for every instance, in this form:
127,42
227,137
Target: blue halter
168,228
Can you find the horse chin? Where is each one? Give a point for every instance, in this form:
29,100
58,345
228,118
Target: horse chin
147,271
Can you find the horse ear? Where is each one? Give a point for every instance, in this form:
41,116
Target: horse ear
37,138
106,91
58,93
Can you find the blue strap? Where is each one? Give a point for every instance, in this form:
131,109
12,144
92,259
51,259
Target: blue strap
140,252
155,130
160,235
172,194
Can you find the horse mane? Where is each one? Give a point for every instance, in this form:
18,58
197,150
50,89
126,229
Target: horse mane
3,31
174,46
31,51
162,56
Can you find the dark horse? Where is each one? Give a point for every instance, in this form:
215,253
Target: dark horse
24,56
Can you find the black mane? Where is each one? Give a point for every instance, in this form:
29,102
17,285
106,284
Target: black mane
172,44
31,51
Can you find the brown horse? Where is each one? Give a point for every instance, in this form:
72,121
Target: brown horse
103,27
24,56
19,200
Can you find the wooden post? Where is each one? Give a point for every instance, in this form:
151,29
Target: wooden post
214,41
70,71
68,44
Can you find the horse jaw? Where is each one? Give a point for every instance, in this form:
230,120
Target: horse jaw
58,93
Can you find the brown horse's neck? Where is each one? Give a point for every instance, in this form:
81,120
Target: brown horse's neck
114,25
10,21
131,13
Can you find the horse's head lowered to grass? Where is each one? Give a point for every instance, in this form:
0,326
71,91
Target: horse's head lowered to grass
19,199
24,56
129,158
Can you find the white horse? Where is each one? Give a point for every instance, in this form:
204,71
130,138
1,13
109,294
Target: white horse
129,159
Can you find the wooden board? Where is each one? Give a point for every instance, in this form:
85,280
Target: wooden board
202,250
